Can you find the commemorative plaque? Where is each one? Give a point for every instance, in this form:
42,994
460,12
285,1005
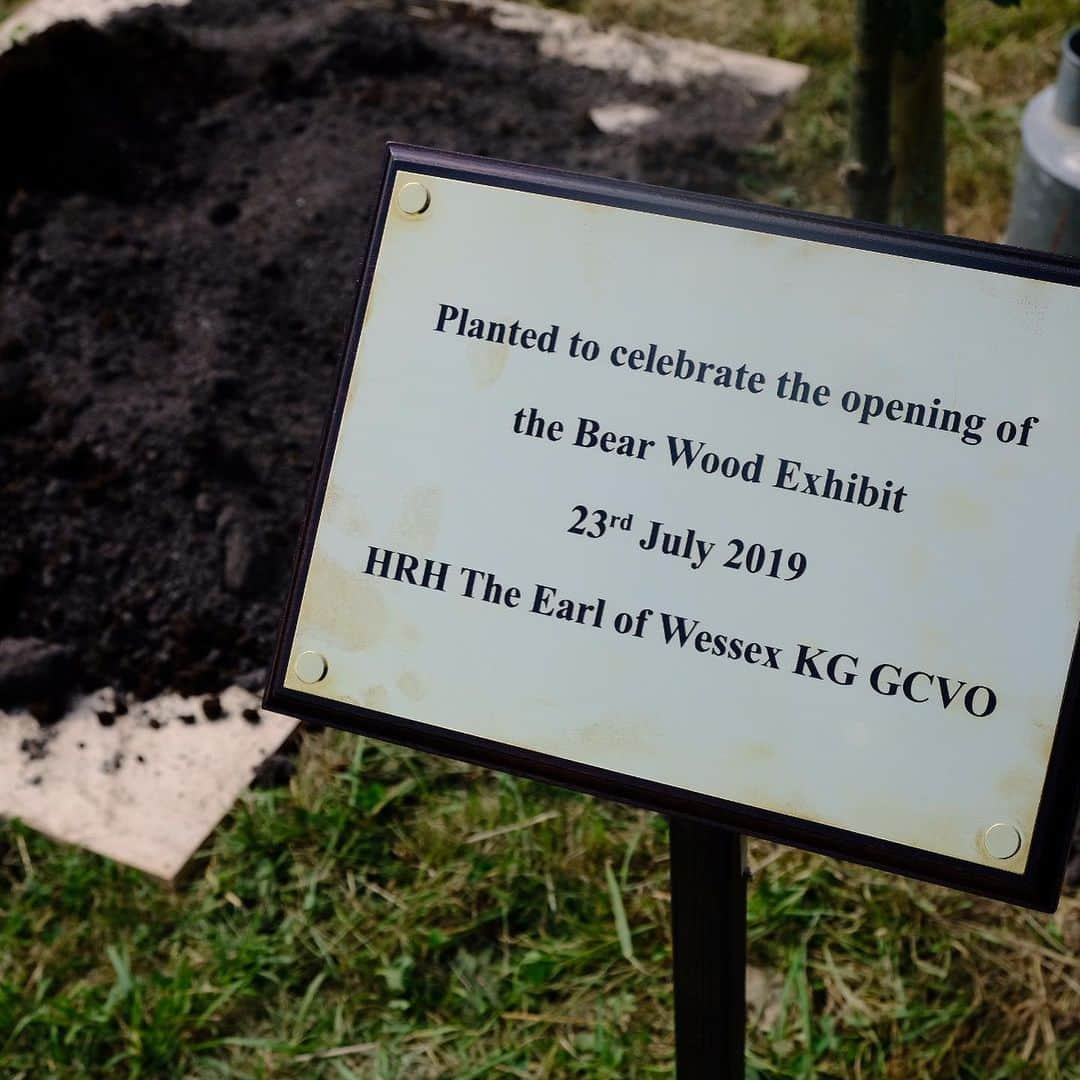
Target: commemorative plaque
759,518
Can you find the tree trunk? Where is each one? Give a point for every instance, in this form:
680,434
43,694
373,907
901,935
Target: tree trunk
869,172
919,138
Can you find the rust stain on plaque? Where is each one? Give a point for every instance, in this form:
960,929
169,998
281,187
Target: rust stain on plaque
344,606
418,522
617,733
412,686
377,697
350,520
488,363
1044,728
756,751
1018,783
339,506
959,511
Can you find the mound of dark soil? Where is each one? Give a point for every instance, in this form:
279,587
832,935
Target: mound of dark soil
185,197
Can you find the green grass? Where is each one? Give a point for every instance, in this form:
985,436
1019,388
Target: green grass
8,6
376,907
445,921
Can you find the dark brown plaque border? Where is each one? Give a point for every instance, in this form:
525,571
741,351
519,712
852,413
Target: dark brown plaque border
1039,887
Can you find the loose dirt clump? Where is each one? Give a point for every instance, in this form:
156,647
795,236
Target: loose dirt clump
185,197
38,674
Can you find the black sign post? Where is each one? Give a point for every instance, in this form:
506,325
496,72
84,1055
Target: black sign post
708,931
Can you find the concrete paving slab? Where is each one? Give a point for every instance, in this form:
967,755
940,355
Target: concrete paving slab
146,790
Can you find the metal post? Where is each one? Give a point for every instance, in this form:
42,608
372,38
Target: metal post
708,920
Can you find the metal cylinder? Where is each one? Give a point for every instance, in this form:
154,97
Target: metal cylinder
1046,201
1067,90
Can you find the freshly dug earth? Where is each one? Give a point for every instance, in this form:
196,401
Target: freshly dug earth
185,198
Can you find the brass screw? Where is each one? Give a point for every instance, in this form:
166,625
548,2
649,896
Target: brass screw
1002,841
414,198
310,667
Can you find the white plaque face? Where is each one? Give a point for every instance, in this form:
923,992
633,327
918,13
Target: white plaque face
780,528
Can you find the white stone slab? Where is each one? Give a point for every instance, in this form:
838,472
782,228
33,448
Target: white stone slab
144,795
623,117
644,58
36,15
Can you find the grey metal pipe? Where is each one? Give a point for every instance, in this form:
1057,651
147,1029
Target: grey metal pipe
1046,200
1067,89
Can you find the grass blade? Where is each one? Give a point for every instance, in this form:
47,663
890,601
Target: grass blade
622,927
